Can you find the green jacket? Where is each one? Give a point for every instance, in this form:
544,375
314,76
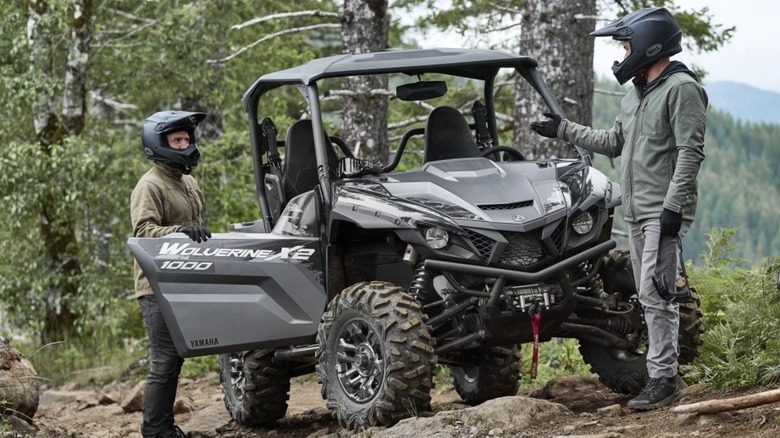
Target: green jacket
162,202
660,134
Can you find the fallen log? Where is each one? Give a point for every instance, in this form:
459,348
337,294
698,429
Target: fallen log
729,404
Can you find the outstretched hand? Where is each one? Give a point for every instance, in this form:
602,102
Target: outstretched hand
198,233
548,128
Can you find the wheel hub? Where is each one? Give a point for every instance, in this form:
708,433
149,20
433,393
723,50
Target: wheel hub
360,362
237,378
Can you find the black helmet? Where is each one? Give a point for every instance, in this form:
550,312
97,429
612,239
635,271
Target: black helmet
653,34
155,143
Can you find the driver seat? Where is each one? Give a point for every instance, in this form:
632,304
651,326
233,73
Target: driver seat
447,135
300,162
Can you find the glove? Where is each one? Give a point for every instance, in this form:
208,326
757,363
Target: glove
670,222
548,128
198,233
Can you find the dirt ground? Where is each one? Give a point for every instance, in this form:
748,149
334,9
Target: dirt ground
307,416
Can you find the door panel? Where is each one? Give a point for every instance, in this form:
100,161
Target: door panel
237,291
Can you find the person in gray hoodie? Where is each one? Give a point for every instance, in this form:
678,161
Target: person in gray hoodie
660,135
165,200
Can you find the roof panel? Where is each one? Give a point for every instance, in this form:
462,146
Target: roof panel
471,63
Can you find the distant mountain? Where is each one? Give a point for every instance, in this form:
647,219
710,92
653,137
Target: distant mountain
745,102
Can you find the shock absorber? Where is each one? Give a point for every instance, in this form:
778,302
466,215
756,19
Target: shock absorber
422,285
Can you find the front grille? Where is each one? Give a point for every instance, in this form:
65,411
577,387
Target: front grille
483,244
559,235
523,249
512,206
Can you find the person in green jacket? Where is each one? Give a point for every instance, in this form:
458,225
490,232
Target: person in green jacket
660,135
165,200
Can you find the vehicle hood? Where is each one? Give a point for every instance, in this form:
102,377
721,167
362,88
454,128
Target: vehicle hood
482,190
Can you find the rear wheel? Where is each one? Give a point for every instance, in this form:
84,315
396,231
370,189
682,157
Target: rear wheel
255,385
625,370
495,373
375,356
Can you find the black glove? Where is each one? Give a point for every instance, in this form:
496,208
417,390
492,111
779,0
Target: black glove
548,128
198,233
670,222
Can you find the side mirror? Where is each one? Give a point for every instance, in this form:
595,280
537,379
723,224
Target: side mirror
422,90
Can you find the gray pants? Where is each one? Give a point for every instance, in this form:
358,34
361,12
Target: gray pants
651,254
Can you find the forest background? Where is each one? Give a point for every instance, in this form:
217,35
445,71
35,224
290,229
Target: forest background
78,77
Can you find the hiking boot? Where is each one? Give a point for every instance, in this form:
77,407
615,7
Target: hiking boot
174,432
658,393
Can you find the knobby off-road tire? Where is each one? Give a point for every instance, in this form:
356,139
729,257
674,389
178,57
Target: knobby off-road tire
255,386
625,371
496,373
375,356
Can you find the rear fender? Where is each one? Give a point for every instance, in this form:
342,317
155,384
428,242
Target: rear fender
237,291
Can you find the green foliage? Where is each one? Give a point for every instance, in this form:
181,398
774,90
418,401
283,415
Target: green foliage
557,358
198,366
742,315
96,359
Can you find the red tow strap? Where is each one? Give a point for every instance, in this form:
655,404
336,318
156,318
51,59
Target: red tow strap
535,358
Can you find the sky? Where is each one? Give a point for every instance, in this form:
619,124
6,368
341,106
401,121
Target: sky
751,57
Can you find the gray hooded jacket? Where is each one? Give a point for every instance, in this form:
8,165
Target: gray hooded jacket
660,135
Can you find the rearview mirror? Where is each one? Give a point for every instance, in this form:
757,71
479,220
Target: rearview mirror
422,90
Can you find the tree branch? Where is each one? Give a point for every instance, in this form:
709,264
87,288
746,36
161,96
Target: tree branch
313,13
270,36
505,9
729,404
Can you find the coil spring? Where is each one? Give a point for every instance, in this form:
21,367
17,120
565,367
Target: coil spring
422,287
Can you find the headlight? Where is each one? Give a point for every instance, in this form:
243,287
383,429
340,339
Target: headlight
437,238
555,196
583,223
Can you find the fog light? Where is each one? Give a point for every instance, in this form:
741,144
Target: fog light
583,223
437,238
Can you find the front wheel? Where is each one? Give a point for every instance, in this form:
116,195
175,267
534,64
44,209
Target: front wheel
375,356
495,373
255,385
625,370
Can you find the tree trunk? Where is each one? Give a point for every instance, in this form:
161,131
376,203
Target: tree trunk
58,231
364,28
566,64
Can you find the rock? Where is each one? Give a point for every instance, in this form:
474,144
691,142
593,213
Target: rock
181,407
508,416
204,423
20,427
18,384
567,388
50,396
134,400
611,411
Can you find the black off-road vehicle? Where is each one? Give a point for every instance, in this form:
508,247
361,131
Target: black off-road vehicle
370,276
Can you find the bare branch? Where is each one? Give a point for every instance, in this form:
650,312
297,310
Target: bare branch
729,404
505,9
115,104
131,16
270,36
501,29
313,13
407,122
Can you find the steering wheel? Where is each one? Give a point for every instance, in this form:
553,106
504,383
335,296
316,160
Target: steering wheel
514,153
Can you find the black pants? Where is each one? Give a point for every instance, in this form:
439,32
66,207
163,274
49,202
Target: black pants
164,376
